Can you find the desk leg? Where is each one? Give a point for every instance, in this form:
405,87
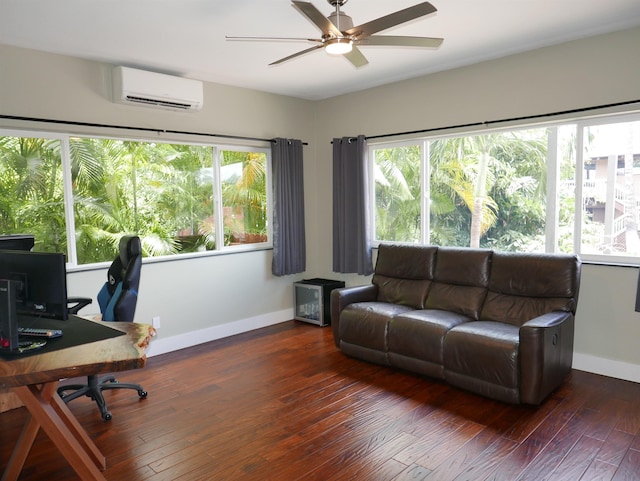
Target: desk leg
78,432
21,451
61,427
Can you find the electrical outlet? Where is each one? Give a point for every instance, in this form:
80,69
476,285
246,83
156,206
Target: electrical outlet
155,322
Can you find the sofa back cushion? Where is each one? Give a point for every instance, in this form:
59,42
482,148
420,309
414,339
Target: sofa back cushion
403,274
525,286
460,280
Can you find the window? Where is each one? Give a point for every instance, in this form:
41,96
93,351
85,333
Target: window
515,190
244,198
32,191
610,188
173,195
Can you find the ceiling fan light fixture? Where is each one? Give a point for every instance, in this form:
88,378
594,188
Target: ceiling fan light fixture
338,46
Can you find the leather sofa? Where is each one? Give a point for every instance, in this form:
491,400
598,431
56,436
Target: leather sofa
494,323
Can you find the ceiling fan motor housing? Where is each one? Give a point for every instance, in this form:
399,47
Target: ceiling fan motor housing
341,20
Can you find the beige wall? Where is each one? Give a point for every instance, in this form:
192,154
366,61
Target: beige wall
199,298
196,299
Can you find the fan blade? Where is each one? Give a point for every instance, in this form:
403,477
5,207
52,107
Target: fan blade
317,18
391,20
395,41
284,39
356,57
296,55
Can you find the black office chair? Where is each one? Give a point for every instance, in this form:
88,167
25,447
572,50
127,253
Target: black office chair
117,300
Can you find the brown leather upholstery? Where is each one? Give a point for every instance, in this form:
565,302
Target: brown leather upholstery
461,279
483,357
524,286
416,340
404,274
498,324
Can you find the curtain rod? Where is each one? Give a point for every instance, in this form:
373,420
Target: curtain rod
512,119
125,127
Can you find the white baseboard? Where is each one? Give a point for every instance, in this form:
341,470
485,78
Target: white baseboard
606,367
188,339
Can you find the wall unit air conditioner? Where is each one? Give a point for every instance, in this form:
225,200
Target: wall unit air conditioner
140,87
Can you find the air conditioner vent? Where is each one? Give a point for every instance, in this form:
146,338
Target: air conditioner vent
159,103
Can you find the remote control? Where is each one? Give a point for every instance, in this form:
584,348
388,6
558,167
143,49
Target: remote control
35,332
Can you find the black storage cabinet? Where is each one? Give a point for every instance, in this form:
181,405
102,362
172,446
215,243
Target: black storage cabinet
312,300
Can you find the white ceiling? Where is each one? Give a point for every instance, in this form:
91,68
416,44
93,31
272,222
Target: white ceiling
187,37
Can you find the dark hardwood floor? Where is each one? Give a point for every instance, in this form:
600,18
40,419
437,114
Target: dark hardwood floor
282,403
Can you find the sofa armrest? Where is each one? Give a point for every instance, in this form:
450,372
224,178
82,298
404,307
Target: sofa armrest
546,354
341,298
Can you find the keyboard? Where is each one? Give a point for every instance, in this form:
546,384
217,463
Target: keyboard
36,332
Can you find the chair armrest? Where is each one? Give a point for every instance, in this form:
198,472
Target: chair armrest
79,303
546,354
341,298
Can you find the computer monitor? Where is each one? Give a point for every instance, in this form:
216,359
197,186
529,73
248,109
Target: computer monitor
17,242
41,280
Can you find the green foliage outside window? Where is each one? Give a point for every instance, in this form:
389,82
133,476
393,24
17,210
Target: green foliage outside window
31,191
493,190
162,192
244,196
483,191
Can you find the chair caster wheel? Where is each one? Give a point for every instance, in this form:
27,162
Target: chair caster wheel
106,416
142,394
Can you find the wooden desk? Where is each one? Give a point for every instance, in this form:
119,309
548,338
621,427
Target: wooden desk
35,380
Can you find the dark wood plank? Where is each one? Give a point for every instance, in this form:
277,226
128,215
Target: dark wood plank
577,460
282,403
629,468
599,471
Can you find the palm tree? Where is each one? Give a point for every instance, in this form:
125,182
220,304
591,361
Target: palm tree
111,193
498,180
245,194
31,194
397,179
468,177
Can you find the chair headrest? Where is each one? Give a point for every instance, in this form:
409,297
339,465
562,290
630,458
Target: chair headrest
130,247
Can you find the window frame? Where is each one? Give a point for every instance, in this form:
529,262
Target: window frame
216,149
218,201
553,179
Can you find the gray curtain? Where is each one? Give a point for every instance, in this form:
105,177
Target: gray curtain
351,249
289,251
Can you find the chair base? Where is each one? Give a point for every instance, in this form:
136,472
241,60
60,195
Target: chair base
93,389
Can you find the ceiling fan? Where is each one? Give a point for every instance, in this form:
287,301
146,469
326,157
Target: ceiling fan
340,37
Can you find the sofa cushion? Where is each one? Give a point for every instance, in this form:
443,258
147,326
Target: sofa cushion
416,339
517,310
403,274
407,292
460,281
525,286
366,323
484,351
421,333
